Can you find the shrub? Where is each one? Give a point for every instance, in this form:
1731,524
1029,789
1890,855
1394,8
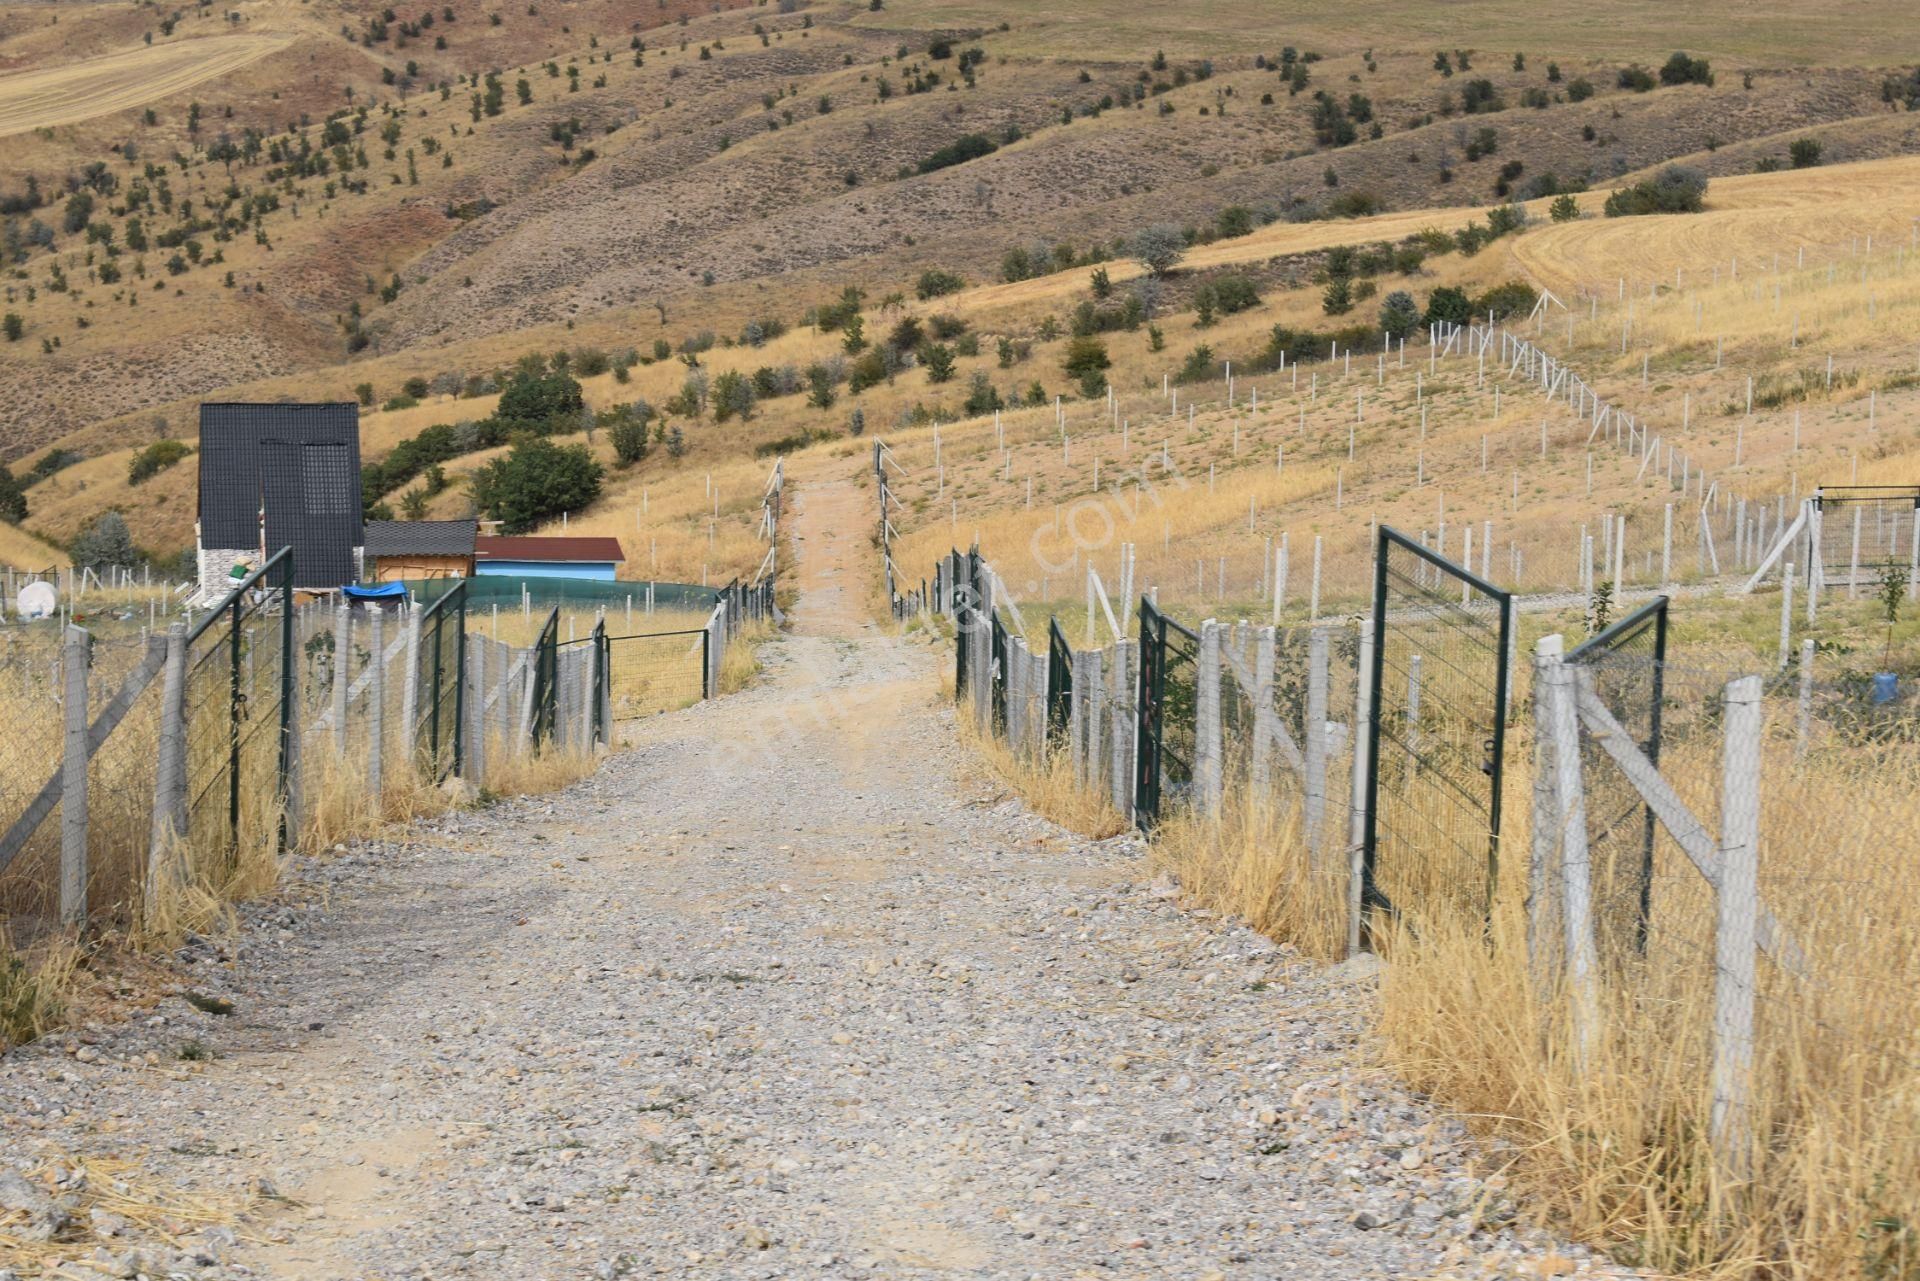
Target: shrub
13,503
967,147
154,459
1514,298
946,327
938,359
732,395
1198,366
363,392
415,388
1228,295
1337,298
13,326
1449,305
536,480
1565,208
105,543
982,398
1675,189
1681,70
1399,314
1353,204
820,387
1804,153
1636,78
1158,248
937,284
1084,356
1579,89
627,428
539,402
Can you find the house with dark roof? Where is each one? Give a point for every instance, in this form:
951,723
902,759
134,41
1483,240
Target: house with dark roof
279,475
400,550
536,557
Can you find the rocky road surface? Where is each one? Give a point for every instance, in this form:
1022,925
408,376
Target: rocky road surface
791,988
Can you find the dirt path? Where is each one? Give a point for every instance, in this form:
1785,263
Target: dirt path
787,990
82,90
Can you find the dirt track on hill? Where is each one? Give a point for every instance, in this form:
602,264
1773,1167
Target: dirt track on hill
99,86
789,988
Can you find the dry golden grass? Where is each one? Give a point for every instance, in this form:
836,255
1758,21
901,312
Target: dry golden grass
1049,789
110,1186
55,96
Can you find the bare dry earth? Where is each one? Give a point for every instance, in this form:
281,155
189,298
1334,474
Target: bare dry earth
787,989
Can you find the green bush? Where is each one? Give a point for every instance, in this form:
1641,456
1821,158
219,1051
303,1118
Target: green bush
1682,70
1449,305
962,149
154,459
1675,189
1199,366
539,402
13,502
1514,298
935,283
1399,314
1804,153
535,481
1636,78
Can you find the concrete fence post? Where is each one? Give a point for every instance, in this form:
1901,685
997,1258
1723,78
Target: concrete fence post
1545,820
342,673
1316,745
1096,717
589,703
73,772
170,766
1357,784
1120,751
1737,904
1260,765
476,696
377,706
1803,720
1208,773
1786,614
1077,715
410,685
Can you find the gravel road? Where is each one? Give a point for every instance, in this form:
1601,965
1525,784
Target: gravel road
789,989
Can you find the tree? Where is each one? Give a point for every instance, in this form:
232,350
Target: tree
1804,152
1680,70
676,442
537,480
855,341
627,429
14,326
1159,248
1447,305
155,458
539,402
1399,314
1086,362
413,504
857,421
13,502
104,544
1337,298
1565,207
820,388
1514,298
732,394
938,358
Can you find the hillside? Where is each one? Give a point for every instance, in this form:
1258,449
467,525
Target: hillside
344,201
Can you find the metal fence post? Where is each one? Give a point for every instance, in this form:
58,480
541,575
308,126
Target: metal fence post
1316,746
1207,771
1736,914
1362,773
170,767
342,671
73,795
377,705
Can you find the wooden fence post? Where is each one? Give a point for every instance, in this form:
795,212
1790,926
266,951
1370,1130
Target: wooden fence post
1575,872
170,767
73,794
1736,916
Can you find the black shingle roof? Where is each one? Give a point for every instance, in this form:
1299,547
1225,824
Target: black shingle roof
420,537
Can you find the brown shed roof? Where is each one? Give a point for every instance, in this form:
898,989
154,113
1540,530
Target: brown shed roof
496,547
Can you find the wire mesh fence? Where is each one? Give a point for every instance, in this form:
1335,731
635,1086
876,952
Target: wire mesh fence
440,683
654,672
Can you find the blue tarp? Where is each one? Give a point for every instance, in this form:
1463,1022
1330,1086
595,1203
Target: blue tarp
384,592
